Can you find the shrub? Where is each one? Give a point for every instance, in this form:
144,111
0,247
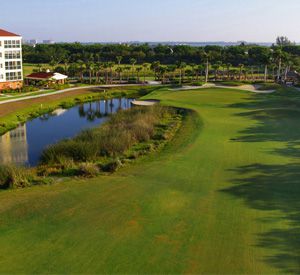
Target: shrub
88,170
16,177
27,89
67,104
268,86
111,166
75,150
197,83
230,83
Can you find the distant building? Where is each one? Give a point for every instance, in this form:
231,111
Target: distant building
11,72
32,41
48,42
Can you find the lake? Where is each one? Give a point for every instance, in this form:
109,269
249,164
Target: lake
24,145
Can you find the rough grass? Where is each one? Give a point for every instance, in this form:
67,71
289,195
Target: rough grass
18,177
123,130
223,198
269,86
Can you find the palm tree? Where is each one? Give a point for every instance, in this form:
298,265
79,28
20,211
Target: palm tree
132,63
154,67
216,67
162,72
223,70
81,69
206,56
193,71
181,66
266,70
39,67
90,68
228,65
171,69
97,57
199,71
241,67
145,68
66,63
127,69
98,67
119,70
279,56
106,67
111,66
119,60
289,63
138,70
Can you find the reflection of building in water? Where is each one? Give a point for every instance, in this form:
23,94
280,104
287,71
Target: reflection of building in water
13,146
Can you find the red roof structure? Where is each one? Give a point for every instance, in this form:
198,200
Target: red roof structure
40,75
6,33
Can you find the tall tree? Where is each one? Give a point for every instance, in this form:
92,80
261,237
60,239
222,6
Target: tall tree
181,66
154,67
145,68
283,41
138,71
90,68
132,63
81,69
119,70
119,59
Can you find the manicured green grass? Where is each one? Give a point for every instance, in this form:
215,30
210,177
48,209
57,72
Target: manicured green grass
29,68
223,198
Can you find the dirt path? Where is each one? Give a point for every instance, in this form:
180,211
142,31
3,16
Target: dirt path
9,106
13,105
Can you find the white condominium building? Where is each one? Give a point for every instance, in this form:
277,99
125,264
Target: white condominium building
11,71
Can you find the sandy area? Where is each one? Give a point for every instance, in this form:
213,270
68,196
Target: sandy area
250,88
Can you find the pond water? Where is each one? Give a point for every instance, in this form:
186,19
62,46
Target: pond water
24,145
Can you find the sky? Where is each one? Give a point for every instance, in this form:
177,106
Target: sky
152,20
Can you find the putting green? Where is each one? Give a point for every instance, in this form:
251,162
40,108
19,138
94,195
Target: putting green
222,198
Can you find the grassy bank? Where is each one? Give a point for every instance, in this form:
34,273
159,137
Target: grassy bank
20,112
222,198
126,136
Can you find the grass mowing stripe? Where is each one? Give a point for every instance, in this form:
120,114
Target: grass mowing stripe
222,199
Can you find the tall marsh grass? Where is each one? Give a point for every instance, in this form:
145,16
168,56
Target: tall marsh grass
122,131
18,177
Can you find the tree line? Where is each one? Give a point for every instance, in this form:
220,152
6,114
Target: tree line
95,60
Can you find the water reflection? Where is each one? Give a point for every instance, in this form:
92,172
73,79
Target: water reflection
24,145
14,147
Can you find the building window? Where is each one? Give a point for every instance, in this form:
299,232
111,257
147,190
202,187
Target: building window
12,44
12,55
13,65
1,76
13,76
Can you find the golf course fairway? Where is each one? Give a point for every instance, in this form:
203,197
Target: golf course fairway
223,197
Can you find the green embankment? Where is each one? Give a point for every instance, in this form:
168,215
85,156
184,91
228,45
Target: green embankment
222,198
